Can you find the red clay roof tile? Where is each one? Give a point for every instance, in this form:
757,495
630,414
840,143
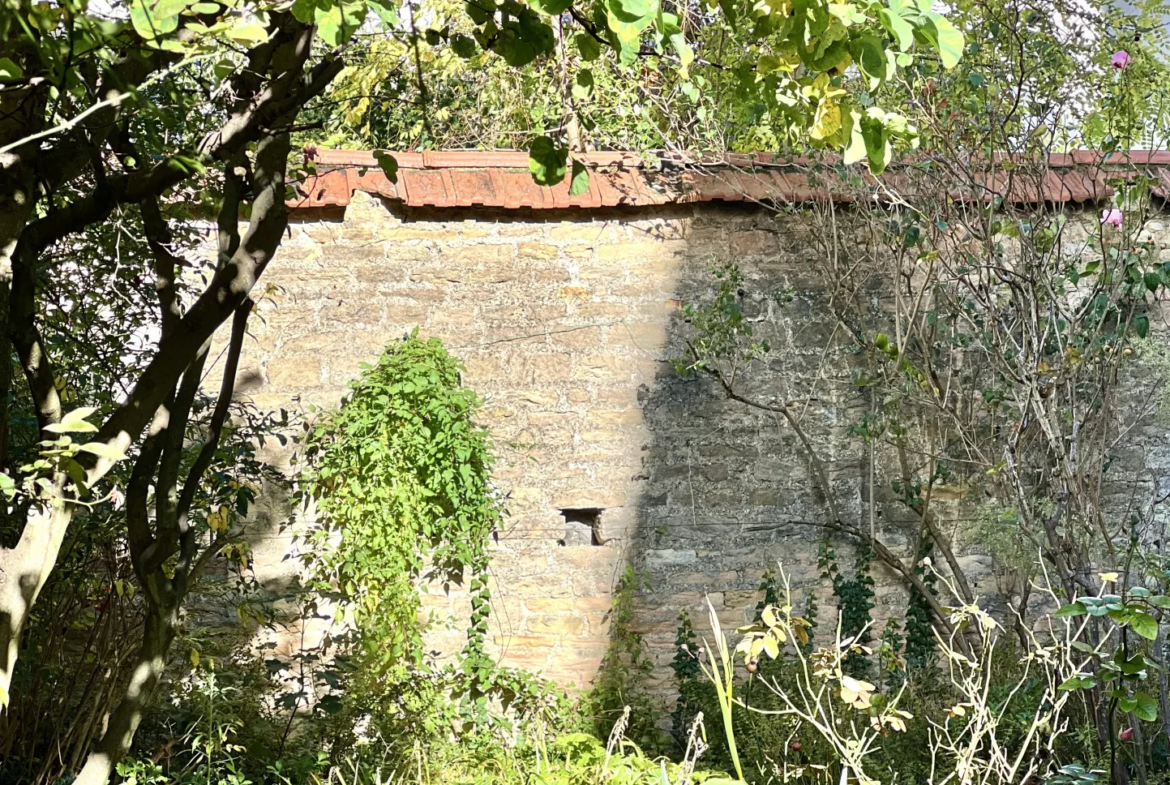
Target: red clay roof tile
465,178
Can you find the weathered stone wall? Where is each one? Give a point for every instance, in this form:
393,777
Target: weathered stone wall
566,322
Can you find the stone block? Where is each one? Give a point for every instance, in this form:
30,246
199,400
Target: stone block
670,558
601,603
550,604
602,368
294,373
555,624
581,232
527,252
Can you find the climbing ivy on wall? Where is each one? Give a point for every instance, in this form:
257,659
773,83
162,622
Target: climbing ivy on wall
400,479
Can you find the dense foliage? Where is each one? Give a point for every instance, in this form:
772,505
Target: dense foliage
134,131
399,481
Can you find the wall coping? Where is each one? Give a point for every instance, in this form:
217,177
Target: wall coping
500,179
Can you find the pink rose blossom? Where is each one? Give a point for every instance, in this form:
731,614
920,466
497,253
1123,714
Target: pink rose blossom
1121,60
1111,217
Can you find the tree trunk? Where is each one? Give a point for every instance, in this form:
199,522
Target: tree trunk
23,572
157,637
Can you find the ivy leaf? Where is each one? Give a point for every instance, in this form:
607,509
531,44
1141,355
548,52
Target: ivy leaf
580,181
1144,624
1078,682
388,164
1070,610
1147,707
546,161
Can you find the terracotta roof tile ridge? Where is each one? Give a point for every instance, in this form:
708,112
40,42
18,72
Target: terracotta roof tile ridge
500,179
518,159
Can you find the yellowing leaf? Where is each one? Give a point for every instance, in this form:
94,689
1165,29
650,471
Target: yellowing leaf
827,121
856,693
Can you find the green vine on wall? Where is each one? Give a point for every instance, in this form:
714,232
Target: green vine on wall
688,679
400,480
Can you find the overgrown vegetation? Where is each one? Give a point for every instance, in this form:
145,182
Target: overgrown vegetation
995,384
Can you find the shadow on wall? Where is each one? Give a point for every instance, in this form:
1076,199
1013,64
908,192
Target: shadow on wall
566,322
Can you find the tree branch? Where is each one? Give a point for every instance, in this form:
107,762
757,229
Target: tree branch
187,564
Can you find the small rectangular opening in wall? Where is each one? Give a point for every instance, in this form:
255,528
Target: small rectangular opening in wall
582,526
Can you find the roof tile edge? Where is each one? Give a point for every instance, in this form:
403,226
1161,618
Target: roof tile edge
632,180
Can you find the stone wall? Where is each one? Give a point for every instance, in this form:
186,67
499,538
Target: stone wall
566,321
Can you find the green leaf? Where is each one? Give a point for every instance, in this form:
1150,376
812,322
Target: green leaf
945,38
103,450
580,181
856,149
248,34
588,46
387,13
9,69
74,422
877,143
1070,610
551,7
388,164
686,55
339,21
480,12
546,161
463,46
871,58
1141,325
583,84
152,18
1144,624
224,68
1147,707
76,473
304,11
633,11
1078,682
898,27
